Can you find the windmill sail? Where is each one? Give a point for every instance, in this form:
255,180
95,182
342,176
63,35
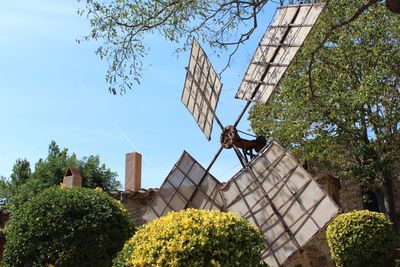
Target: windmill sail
281,42
186,186
202,89
278,196
273,192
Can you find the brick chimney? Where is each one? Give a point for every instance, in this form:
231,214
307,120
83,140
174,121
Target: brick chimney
133,171
72,178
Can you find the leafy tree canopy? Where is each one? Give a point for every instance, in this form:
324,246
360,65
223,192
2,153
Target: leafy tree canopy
21,171
122,25
24,184
340,103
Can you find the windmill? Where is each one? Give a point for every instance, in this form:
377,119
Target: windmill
272,190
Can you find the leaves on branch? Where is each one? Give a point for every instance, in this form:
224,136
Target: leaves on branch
348,118
122,26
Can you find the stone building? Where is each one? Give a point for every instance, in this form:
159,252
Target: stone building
136,202
134,198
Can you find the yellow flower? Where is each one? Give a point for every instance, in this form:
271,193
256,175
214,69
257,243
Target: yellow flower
165,241
98,189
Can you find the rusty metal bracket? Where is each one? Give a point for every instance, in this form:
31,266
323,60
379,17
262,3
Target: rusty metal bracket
230,138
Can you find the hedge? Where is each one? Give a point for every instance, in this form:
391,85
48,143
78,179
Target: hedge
194,238
67,227
361,238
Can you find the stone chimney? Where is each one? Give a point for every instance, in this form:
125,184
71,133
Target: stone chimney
331,185
72,178
133,171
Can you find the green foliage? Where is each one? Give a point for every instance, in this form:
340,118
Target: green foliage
342,109
96,174
52,169
67,227
7,189
24,184
361,238
21,172
194,238
123,25
25,192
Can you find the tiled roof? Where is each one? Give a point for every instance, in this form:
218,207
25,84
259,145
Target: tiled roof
72,171
142,193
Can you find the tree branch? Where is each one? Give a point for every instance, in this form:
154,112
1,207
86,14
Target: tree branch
328,35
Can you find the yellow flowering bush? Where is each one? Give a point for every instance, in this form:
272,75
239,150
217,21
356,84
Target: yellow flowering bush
361,238
194,238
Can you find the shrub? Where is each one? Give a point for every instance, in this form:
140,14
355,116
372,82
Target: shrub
194,238
361,238
67,227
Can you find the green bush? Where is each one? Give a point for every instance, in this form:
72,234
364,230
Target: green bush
361,238
67,227
194,238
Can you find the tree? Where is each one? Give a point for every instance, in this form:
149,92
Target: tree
21,172
340,104
50,171
122,26
96,174
7,190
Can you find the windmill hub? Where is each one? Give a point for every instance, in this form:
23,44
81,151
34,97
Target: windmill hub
230,138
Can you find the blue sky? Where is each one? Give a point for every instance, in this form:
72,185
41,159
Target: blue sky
52,88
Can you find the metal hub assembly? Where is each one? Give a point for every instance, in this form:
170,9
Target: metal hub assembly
230,138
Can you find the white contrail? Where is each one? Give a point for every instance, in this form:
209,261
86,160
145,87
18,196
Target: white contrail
124,136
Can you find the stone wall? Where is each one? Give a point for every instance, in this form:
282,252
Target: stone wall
315,254
350,196
136,202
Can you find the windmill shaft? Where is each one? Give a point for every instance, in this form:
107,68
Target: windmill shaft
242,113
219,122
242,159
